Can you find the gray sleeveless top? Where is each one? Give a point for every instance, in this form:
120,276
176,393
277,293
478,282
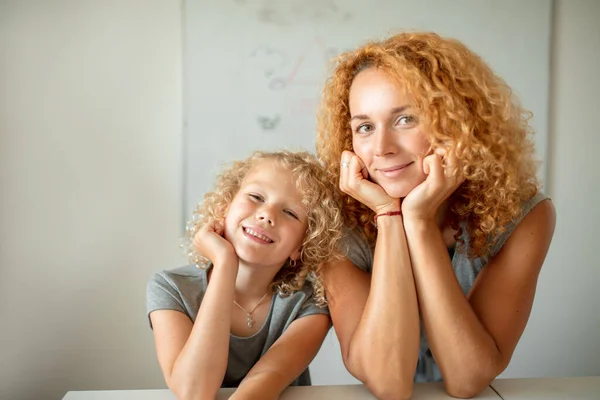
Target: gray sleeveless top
359,251
182,289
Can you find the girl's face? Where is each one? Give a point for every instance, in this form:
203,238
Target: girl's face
266,220
386,133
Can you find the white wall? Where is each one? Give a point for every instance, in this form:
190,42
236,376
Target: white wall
90,175
90,183
563,334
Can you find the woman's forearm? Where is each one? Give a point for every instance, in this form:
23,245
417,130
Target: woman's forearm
463,349
199,370
384,347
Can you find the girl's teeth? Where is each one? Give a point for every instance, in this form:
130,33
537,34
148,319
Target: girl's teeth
258,235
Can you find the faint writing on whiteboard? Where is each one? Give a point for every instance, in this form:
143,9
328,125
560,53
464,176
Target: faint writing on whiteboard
288,80
268,123
307,68
289,12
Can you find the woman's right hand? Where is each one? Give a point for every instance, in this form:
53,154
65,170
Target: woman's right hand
354,181
210,243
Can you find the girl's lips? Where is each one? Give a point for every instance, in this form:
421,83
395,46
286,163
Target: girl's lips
257,235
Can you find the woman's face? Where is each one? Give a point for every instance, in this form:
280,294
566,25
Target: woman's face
386,133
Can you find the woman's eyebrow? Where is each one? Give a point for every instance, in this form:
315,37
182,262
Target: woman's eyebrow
394,110
400,109
360,116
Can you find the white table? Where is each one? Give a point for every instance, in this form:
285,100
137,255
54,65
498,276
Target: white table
579,388
423,391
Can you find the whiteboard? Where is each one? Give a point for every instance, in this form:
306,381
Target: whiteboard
254,70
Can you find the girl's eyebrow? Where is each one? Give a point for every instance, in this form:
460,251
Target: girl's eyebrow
394,110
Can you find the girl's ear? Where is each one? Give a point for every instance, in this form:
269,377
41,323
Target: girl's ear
296,254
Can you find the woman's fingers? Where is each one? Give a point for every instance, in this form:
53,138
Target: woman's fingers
442,171
354,181
432,166
347,171
355,176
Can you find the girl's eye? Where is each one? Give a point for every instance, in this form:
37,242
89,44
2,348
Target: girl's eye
406,120
291,213
255,197
364,128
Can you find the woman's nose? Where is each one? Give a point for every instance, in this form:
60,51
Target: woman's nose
384,142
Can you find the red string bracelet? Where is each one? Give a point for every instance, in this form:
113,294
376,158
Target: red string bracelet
386,213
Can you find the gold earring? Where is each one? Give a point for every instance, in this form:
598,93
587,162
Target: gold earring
292,263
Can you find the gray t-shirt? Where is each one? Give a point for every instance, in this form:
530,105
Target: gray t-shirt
183,289
359,251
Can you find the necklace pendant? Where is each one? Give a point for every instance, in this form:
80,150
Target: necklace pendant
249,321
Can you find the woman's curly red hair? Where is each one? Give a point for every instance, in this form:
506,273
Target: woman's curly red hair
466,109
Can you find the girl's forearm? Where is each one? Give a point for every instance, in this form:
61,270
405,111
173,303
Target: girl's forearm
199,370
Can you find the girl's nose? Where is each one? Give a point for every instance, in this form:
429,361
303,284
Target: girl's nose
266,215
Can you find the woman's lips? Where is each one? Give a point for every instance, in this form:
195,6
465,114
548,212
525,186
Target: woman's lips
394,171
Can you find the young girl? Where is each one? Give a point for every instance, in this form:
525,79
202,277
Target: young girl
427,141
247,318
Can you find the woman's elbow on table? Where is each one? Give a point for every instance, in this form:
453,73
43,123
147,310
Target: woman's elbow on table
464,392
381,380
467,388
390,386
471,382
391,389
190,392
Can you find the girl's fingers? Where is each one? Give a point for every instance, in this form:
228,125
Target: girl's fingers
219,228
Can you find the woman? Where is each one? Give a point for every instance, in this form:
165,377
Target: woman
427,141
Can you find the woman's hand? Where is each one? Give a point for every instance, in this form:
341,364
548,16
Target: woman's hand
210,243
423,202
354,181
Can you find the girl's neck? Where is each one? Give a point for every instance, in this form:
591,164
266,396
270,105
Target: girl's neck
253,282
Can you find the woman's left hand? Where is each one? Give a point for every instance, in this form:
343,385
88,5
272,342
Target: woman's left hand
424,200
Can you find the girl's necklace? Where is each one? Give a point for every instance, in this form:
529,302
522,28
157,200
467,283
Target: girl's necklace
249,320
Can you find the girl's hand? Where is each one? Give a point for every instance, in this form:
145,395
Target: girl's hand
210,243
423,202
354,181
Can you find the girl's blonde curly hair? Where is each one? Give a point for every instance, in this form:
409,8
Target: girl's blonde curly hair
324,219
466,109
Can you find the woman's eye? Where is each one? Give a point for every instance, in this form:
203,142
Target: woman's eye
406,120
364,128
